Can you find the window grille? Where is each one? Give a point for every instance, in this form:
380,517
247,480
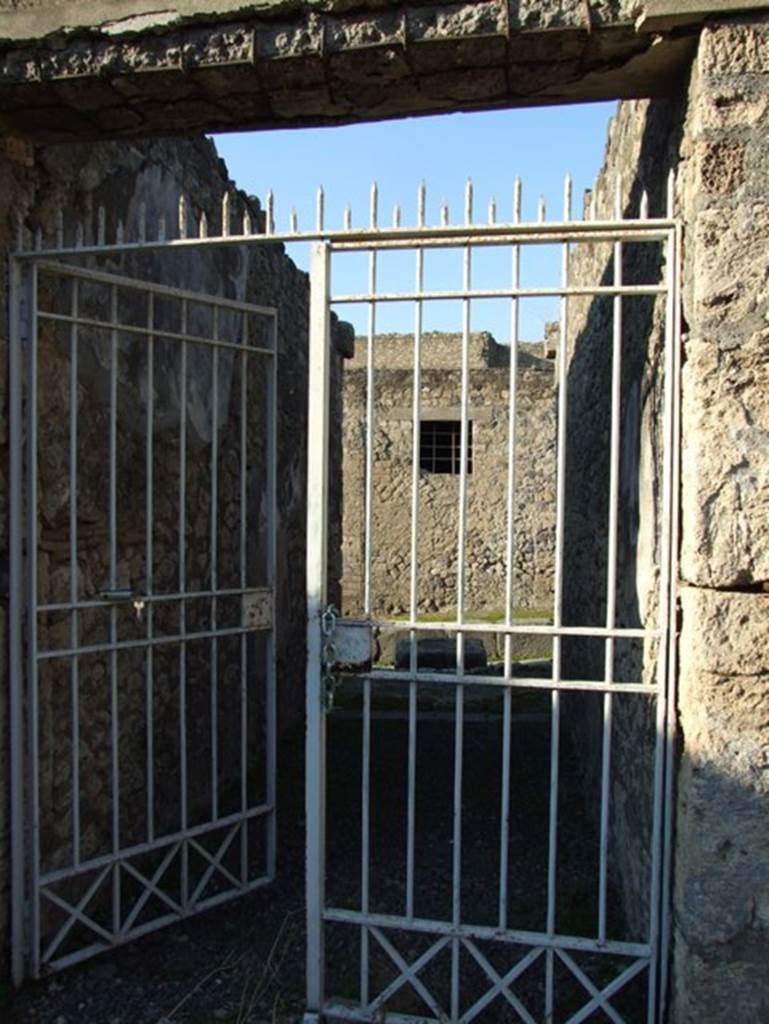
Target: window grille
440,443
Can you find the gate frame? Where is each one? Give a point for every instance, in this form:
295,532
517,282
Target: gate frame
320,647
26,889
423,236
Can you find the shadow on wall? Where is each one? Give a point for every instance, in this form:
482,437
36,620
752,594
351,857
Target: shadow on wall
652,152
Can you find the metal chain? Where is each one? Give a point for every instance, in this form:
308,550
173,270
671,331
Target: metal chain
328,656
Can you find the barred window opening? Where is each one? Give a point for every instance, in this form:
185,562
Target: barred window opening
440,446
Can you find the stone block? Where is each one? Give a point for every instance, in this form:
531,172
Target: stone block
722,834
735,48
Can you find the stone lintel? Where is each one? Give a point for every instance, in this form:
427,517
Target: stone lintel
664,15
300,64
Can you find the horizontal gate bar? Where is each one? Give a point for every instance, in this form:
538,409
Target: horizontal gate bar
499,293
652,229
194,339
157,641
95,863
590,632
451,678
486,933
156,598
146,287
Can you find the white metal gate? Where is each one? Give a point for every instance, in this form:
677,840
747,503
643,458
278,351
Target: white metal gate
398,955
142,583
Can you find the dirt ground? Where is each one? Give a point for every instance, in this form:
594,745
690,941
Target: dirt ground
243,963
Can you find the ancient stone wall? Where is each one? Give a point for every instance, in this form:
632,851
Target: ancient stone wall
715,139
644,137
124,179
128,68
485,554
721,899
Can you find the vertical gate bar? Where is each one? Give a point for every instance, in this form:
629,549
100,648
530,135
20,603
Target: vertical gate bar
674,442
32,594
214,526
317,519
660,745
149,585
611,569
185,851
413,583
365,838
504,831
456,880
73,574
463,435
15,619
367,600
411,810
370,422
272,530
113,582
555,717
243,584
512,423
456,869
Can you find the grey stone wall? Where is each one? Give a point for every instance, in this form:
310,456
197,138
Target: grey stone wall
721,897
489,392
642,136
715,138
122,178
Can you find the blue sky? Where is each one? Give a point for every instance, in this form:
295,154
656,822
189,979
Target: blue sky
539,145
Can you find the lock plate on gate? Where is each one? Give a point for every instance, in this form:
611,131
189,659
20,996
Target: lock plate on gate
347,645
353,641
257,609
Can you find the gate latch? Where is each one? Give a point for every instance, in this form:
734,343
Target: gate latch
348,645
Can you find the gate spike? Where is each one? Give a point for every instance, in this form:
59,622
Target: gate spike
142,222
541,212
644,210
39,239
19,231
444,214
348,218
618,197
119,233
671,194
79,235
421,204
517,200
397,215
226,215
182,217
293,222
203,229
567,198
101,226
162,227
469,201
492,210
374,205
248,226
60,228
269,223
320,202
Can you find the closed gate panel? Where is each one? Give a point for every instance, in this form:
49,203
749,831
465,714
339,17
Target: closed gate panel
486,819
